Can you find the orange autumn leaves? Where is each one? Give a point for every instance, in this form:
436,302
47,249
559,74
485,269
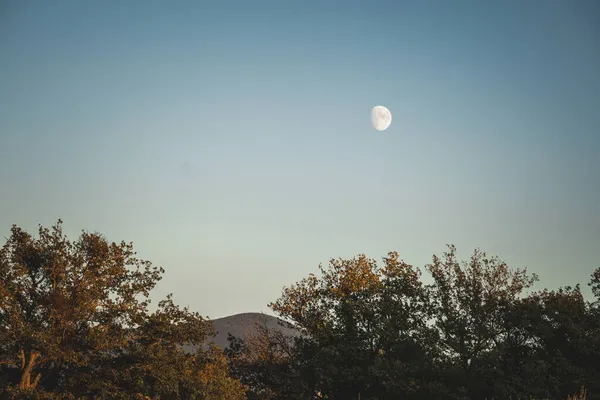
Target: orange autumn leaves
357,278
217,382
342,279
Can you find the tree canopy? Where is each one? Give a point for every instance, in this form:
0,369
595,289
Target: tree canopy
75,323
378,332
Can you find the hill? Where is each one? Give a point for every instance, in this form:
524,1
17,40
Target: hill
245,323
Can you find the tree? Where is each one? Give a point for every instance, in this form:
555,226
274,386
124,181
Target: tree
74,321
470,301
565,341
365,328
61,302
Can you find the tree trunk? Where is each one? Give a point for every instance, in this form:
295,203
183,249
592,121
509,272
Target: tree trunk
27,364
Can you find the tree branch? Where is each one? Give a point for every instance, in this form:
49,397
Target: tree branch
36,380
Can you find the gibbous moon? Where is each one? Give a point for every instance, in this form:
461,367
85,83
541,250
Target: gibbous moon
381,118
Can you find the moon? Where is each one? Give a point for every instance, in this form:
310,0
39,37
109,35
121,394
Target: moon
381,118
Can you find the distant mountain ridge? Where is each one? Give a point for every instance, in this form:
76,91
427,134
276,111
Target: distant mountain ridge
242,324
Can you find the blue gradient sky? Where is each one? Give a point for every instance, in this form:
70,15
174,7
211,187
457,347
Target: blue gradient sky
231,140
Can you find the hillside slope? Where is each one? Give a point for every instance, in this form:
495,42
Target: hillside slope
241,324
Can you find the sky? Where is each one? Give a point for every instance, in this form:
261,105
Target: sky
231,141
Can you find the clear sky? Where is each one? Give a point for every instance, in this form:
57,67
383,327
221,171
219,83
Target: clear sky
231,140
